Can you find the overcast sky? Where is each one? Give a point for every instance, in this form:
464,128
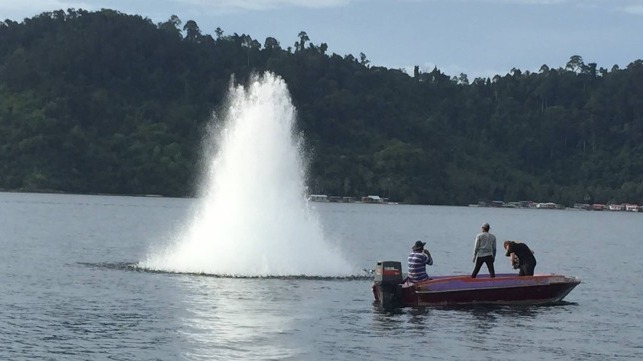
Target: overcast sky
480,38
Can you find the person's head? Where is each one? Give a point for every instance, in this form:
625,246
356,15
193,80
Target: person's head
506,244
418,246
485,227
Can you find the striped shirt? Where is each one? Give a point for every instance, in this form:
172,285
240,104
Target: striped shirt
417,266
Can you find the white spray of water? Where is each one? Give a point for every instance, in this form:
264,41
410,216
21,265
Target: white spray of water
253,218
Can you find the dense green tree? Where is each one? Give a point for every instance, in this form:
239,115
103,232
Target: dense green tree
104,102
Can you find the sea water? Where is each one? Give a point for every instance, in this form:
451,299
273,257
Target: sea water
71,289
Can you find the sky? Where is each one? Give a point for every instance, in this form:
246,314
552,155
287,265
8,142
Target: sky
480,38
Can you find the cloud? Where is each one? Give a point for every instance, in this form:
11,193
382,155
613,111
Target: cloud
264,4
626,5
636,9
38,6
516,2
18,10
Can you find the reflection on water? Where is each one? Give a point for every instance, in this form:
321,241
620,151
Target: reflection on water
474,324
299,318
483,319
227,315
68,290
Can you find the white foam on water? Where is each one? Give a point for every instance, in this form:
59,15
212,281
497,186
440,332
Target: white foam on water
253,218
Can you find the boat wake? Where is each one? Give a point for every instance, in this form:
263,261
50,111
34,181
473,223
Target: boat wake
135,267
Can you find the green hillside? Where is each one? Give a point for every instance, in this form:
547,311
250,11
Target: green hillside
105,102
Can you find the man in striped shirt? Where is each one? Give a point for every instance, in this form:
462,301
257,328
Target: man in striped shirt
418,259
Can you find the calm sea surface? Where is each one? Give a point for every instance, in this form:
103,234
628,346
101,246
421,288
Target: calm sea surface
68,290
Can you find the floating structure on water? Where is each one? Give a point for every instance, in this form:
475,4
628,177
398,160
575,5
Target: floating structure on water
624,207
391,290
373,199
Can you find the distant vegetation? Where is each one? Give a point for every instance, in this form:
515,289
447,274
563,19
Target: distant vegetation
104,102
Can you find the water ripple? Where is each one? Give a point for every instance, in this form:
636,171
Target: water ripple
133,266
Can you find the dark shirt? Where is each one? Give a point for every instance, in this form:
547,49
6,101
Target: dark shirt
522,251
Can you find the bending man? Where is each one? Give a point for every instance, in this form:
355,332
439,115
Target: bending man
526,259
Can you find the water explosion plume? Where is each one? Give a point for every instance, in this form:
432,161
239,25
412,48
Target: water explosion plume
253,219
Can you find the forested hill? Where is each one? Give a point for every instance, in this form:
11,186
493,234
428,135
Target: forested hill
105,102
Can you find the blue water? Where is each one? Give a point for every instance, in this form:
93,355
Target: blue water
69,290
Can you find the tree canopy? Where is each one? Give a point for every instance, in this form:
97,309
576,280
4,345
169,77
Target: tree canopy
105,102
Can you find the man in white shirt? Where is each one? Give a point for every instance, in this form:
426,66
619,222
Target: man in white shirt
484,251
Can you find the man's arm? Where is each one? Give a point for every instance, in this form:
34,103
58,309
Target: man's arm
429,259
476,246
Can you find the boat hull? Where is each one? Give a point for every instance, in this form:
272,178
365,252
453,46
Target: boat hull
454,290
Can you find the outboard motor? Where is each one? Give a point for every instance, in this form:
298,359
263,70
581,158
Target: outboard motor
387,282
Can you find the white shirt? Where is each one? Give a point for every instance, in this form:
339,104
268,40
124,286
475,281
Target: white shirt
485,245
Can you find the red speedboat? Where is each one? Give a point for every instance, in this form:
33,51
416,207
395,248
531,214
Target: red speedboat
391,290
